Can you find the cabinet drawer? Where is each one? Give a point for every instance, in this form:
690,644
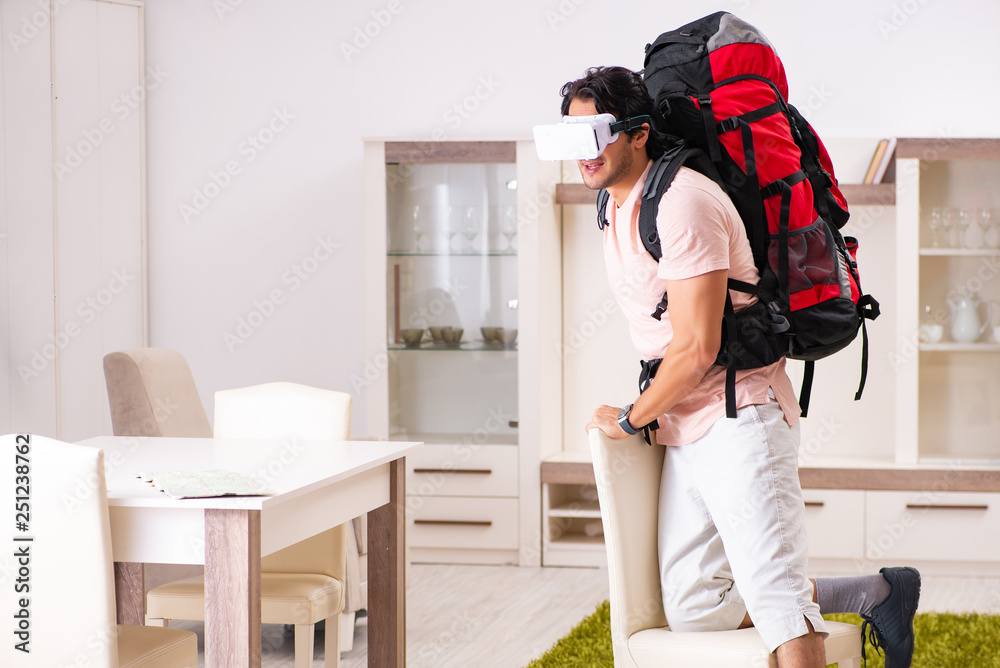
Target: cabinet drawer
460,470
943,526
441,522
835,520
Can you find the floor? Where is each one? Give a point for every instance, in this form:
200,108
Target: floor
502,617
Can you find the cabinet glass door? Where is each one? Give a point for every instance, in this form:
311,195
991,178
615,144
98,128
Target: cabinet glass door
452,301
959,290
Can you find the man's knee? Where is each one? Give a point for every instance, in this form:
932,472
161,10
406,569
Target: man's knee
694,614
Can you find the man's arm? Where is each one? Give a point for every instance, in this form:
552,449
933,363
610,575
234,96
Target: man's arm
696,309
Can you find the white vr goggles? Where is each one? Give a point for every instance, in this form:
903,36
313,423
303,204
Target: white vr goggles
581,137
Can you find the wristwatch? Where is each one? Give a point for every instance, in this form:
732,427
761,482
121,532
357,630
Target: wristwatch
623,421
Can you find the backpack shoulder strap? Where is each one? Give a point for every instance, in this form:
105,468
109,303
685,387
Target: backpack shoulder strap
602,206
661,175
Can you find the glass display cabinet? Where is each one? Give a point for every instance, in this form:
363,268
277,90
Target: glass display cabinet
949,308
463,294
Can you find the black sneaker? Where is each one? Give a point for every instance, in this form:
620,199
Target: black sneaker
890,626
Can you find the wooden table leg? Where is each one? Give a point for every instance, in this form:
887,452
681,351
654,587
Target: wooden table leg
386,566
232,589
130,593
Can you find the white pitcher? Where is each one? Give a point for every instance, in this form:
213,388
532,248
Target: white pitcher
966,326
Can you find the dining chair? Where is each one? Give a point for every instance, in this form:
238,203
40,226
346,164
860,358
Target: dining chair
303,583
627,472
151,392
281,409
66,569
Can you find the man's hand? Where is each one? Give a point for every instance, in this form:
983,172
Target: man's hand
606,419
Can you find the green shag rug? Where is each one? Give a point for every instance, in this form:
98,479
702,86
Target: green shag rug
943,640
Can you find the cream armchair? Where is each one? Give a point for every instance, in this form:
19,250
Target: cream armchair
303,583
70,573
628,481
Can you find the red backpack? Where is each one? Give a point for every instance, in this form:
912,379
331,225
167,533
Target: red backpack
722,99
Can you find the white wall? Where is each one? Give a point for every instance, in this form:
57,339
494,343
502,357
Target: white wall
224,73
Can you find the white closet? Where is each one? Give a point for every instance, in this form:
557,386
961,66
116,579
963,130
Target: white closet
73,215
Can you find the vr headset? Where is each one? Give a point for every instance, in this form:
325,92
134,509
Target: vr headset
581,137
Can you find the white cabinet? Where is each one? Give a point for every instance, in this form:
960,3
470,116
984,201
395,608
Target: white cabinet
938,526
72,222
462,281
835,523
948,392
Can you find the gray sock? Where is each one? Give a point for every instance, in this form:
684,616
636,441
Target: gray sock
858,594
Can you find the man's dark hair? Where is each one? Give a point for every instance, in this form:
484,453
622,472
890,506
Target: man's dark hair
618,91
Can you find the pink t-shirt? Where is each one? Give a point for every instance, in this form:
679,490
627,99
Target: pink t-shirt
700,231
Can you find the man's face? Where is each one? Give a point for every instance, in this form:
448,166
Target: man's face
613,164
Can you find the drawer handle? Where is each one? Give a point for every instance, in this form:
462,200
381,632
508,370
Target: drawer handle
472,471
464,523
815,504
932,506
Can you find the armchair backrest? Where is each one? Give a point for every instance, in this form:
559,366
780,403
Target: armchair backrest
152,393
290,410
66,570
280,410
628,487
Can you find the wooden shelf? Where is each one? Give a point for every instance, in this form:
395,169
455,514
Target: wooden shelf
880,194
956,252
568,473
578,508
875,478
960,347
450,151
578,541
949,149
877,194
901,479
575,193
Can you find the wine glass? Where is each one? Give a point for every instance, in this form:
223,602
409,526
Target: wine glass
508,226
470,226
948,223
418,227
976,236
963,220
451,226
986,221
935,224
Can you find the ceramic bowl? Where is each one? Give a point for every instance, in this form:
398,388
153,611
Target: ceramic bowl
491,334
411,337
506,336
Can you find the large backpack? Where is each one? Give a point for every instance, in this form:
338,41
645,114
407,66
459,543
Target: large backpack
722,99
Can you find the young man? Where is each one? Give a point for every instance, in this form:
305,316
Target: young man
732,540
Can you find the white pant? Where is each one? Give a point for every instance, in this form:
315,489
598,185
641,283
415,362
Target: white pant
731,513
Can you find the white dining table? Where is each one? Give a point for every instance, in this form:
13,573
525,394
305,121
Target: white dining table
314,485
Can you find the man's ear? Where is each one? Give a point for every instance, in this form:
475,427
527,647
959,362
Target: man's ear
641,137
